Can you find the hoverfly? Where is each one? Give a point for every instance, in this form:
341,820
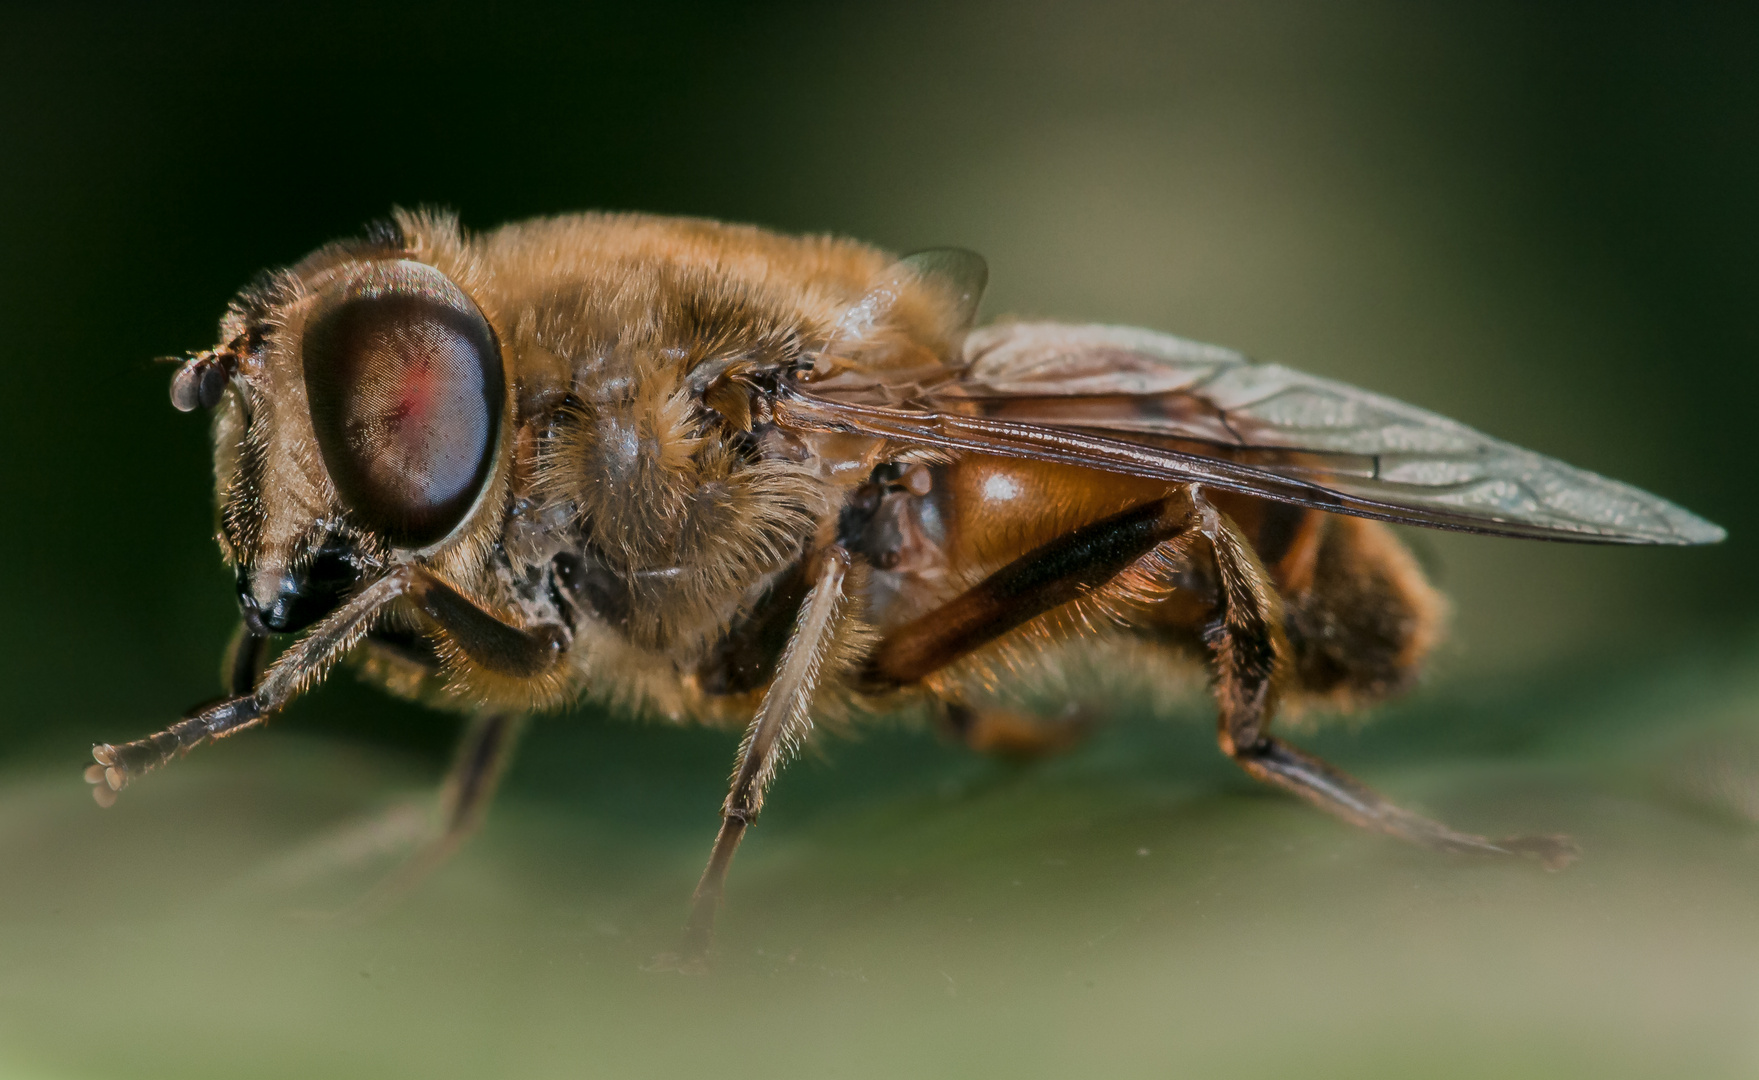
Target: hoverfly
714,473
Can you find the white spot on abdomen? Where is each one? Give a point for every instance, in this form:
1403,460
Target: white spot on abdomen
1001,487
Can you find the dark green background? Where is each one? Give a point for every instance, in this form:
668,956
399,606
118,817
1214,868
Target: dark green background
1542,222
1539,219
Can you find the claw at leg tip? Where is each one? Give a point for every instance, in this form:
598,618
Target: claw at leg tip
104,776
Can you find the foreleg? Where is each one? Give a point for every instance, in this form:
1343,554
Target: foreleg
485,639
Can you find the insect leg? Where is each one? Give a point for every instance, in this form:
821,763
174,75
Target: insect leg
782,721
1065,569
1247,648
481,758
483,637
1054,574
298,667
479,635
1008,733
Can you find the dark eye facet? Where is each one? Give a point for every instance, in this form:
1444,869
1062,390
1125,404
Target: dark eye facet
403,377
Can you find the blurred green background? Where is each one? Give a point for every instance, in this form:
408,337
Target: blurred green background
1537,219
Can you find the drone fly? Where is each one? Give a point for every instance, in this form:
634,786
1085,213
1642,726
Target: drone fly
722,475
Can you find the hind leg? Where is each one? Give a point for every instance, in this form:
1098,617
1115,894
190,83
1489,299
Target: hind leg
1247,648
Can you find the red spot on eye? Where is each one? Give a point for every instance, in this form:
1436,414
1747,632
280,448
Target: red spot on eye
416,390
404,382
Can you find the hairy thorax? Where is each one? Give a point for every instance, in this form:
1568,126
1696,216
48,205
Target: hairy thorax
650,503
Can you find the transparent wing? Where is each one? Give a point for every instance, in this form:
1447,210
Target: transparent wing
1131,401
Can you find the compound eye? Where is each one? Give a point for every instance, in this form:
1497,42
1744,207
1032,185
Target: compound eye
403,377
